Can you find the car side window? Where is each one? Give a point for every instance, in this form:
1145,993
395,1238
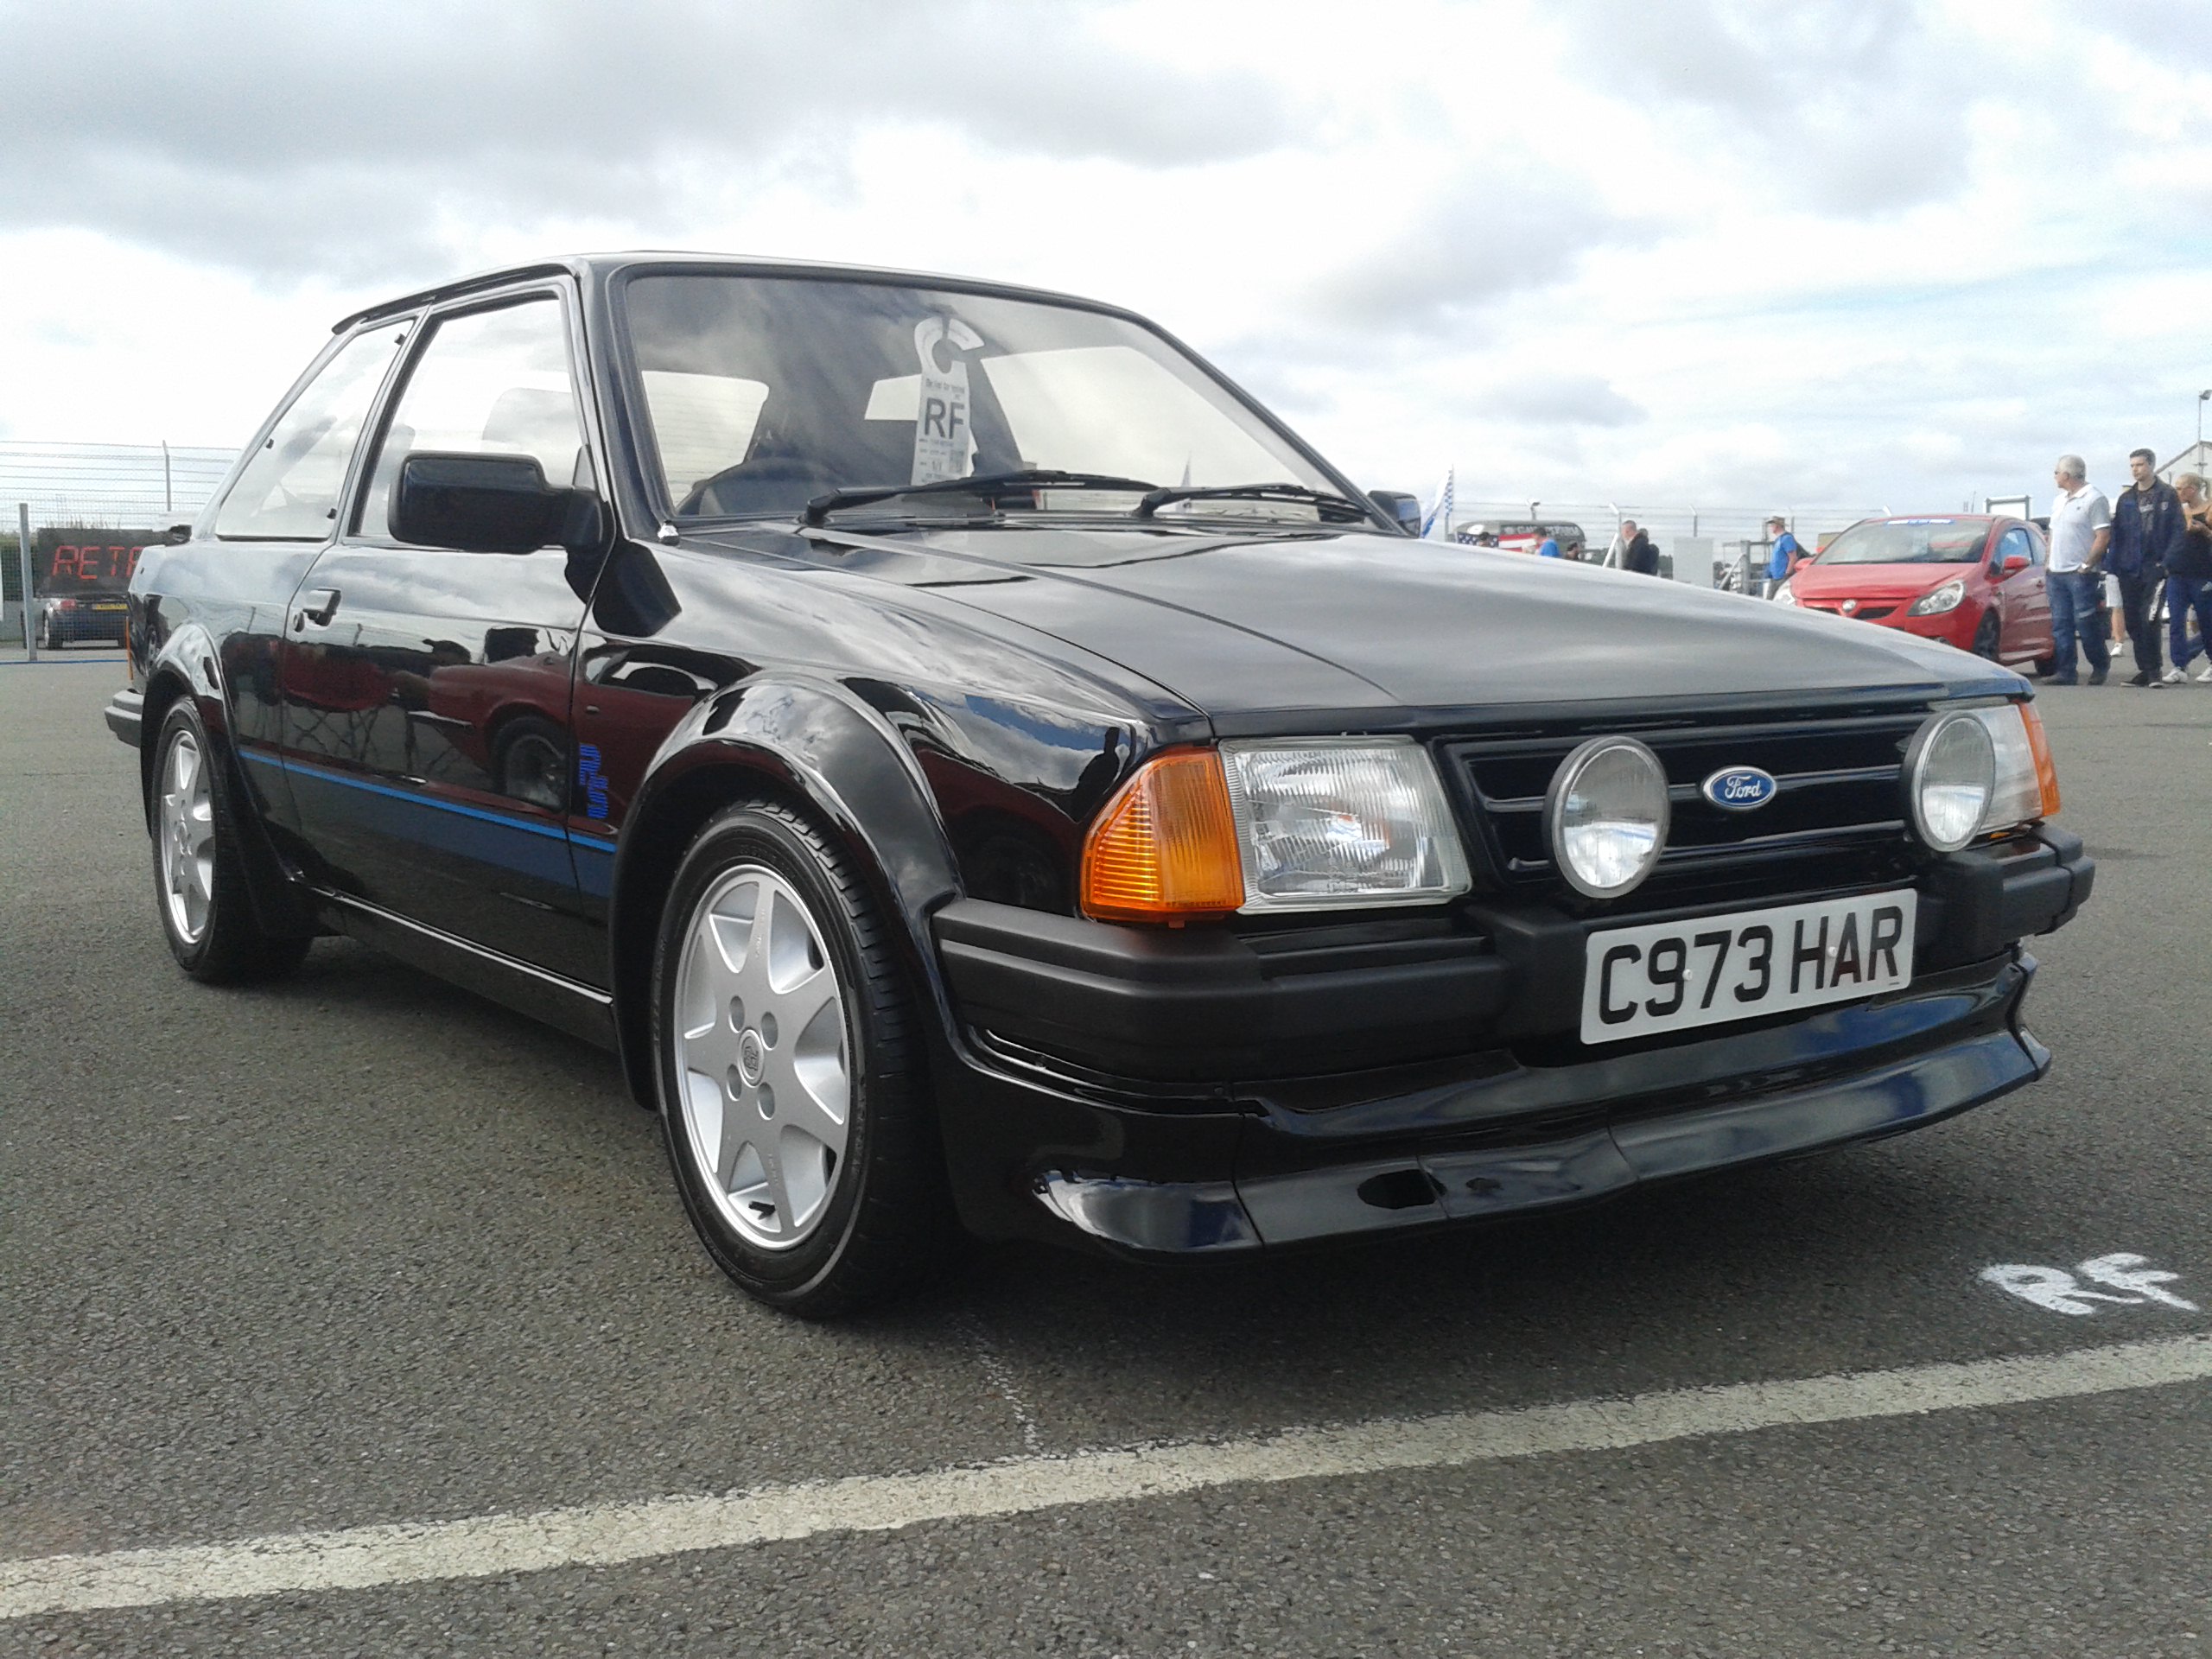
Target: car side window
289,490
491,382
2016,540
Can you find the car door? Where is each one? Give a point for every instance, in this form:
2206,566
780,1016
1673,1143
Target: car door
426,730
232,580
2023,605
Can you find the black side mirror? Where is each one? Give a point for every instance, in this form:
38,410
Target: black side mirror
1402,509
488,504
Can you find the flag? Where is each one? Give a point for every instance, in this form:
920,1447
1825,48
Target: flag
1437,525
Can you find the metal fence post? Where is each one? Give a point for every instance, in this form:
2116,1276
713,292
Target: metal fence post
24,559
169,490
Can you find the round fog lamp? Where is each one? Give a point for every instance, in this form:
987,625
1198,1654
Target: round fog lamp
1951,775
1606,816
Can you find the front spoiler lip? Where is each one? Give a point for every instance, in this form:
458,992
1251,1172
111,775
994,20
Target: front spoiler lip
1370,1188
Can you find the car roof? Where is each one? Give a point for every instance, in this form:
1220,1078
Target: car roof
603,266
1937,518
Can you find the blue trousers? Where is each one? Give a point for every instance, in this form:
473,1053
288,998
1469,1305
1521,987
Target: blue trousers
2074,616
2184,594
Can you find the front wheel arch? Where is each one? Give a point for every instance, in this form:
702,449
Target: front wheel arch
692,782
1989,636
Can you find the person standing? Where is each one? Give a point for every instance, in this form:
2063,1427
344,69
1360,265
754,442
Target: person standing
1636,552
1786,554
2081,529
2146,532
1548,548
2189,583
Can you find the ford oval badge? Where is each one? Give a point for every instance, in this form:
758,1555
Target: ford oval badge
1738,789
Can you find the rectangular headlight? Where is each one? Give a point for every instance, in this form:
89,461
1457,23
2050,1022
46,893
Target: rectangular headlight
2027,789
1323,822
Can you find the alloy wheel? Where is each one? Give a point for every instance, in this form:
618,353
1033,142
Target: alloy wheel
188,832
761,1059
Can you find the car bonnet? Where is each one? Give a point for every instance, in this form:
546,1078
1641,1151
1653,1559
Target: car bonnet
1247,622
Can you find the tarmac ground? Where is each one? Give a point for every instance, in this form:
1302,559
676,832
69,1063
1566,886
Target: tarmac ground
355,1315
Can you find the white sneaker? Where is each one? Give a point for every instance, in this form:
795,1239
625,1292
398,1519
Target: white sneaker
2204,675
2173,677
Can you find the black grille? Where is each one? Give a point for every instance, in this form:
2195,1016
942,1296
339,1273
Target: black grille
1838,782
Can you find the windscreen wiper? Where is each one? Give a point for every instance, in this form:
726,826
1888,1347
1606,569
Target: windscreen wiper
1322,501
989,484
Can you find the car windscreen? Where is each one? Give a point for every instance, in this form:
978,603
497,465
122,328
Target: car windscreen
1909,541
764,393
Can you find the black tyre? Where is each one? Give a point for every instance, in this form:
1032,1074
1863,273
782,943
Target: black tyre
199,887
792,1092
1986,636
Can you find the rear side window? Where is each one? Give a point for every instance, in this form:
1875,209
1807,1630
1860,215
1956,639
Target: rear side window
288,491
486,382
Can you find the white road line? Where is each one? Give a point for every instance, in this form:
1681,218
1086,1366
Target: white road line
600,1534
1000,1375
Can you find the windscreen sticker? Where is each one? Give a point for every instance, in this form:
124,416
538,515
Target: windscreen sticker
945,444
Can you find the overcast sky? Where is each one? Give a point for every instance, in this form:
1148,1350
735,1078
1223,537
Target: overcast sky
1865,251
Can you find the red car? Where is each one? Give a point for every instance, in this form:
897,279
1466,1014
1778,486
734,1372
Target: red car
1972,580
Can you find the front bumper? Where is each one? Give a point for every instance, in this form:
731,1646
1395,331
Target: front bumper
1952,627
1164,1093
125,715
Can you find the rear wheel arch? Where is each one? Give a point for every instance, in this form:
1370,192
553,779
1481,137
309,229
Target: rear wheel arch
163,687
283,907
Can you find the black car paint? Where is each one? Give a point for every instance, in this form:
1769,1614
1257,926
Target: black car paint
955,701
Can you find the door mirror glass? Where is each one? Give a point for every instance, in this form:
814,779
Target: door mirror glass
488,504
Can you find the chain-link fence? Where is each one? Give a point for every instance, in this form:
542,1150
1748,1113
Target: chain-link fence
1665,525
91,506
110,484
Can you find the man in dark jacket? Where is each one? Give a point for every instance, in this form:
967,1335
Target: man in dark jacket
2146,533
1636,552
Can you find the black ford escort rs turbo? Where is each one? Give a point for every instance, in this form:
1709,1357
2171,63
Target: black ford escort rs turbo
979,768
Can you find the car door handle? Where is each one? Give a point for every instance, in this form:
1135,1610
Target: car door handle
317,608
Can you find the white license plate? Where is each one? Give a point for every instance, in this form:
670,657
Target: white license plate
1676,975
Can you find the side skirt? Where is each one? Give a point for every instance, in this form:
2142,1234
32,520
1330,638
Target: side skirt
580,1010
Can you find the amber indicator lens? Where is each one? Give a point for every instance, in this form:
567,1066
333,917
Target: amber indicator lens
1165,849
2040,748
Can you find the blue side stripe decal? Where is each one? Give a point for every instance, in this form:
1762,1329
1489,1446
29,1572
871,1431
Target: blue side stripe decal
322,775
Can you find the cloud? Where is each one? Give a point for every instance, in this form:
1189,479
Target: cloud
1510,224
1851,107
324,138
1564,400
1713,251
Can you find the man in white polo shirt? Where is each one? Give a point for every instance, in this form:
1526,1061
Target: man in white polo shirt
2081,529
